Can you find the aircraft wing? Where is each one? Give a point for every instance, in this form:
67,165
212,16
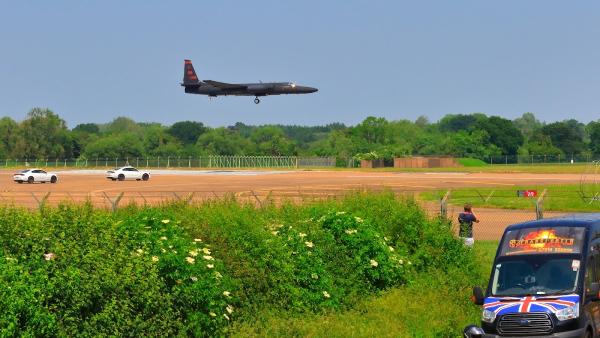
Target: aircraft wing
224,85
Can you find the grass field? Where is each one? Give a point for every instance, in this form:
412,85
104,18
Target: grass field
557,198
578,168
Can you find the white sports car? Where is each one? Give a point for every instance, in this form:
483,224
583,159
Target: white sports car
127,173
35,175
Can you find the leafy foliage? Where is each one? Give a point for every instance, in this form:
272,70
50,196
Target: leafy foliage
192,270
44,134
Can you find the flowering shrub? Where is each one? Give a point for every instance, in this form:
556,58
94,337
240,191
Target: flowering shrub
181,270
368,252
187,266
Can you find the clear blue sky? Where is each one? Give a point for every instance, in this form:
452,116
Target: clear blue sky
91,61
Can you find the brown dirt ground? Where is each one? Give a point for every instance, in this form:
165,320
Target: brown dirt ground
257,186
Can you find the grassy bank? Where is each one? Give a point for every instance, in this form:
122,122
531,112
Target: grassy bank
435,304
558,197
225,268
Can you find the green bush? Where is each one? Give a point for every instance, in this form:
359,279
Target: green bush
193,270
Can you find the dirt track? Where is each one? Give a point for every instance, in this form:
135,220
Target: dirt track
257,185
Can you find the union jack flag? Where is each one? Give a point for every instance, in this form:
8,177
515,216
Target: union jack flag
548,304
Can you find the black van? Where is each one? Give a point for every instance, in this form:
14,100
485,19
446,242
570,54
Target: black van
545,280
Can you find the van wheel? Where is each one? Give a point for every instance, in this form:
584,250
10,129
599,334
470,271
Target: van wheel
53,179
121,177
30,179
588,333
145,177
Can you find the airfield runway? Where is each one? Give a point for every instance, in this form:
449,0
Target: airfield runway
257,185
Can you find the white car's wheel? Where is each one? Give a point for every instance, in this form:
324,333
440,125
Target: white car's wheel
145,177
30,180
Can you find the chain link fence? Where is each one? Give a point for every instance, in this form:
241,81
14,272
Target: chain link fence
498,208
213,162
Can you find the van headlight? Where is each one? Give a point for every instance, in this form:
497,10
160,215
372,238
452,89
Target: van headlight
569,312
488,316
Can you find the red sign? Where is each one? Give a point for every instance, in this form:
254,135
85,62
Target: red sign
527,193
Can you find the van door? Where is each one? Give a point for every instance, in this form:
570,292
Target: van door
592,274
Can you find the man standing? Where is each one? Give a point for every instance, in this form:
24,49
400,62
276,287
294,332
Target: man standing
465,221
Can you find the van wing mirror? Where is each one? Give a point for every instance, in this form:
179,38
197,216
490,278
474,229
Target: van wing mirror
477,297
592,292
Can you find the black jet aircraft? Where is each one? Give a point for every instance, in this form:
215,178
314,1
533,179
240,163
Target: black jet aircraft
214,88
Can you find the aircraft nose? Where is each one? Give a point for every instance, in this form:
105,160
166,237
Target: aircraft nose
307,90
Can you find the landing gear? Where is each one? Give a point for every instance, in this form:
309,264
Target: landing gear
257,100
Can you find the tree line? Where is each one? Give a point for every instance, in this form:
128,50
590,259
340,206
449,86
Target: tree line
43,134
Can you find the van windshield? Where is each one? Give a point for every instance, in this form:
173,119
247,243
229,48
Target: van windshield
535,275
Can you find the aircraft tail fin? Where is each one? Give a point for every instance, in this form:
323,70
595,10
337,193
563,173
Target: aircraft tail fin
189,74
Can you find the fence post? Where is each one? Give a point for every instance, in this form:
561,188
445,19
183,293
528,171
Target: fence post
41,202
539,205
114,202
444,205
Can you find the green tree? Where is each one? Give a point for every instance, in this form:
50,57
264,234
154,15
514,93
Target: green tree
503,134
122,125
270,140
115,146
187,131
8,136
566,136
222,141
593,129
43,134
527,124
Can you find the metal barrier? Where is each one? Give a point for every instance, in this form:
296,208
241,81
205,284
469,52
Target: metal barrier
178,162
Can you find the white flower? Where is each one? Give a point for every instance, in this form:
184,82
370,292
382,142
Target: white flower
391,249
226,293
409,263
340,213
326,294
170,247
351,231
274,233
194,278
197,240
208,258
301,235
358,219
190,260
165,221
218,274
226,316
374,263
314,276
163,250
193,253
401,261
210,266
49,256
385,238
309,244
206,251
155,258
229,309
163,238
139,251
212,314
